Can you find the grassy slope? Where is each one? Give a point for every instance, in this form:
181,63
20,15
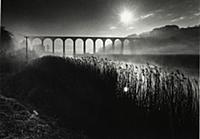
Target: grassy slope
81,94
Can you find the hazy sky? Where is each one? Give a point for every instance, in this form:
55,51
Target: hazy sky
95,17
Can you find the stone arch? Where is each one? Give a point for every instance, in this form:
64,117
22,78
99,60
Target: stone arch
79,45
89,46
36,41
69,47
58,45
29,43
36,44
118,45
109,45
126,42
48,44
126,49
99,45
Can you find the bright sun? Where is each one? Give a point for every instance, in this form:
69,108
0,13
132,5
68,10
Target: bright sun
126,17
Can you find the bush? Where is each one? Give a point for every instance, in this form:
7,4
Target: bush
78,94
110,99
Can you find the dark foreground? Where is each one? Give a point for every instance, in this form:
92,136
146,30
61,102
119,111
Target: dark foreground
96,98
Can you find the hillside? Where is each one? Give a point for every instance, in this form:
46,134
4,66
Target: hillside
97,98
169,39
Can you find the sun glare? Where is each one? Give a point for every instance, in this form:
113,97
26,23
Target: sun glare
126,89
126,17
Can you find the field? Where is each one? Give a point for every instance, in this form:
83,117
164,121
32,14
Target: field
93,97
188,64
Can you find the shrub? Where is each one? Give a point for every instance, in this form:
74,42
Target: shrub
110,99
78,94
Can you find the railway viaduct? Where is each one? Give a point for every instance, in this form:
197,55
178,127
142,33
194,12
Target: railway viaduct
30,39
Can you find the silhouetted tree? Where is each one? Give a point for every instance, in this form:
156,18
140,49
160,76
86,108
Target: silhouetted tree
6,41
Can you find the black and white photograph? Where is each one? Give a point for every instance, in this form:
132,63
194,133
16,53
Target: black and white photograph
99,69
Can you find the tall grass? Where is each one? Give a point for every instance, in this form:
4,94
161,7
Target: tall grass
137,101
150,86
155,95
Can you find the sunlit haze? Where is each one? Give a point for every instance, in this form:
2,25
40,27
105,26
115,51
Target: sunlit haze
126,17
96,17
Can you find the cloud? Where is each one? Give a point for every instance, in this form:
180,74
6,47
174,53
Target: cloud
159,10
169,14
144,17
178,19
113,28
130,28
197,14
147,16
